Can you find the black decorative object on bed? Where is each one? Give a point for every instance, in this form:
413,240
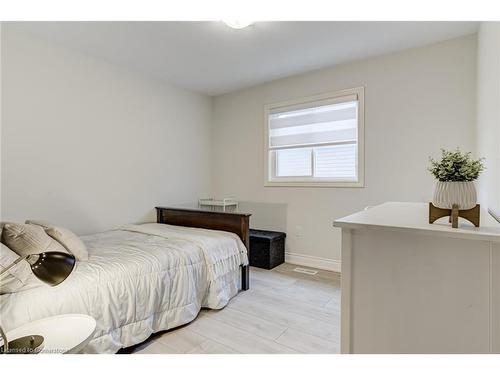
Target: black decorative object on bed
210,217
267,248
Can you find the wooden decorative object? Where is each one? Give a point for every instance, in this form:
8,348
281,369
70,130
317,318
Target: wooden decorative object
471,215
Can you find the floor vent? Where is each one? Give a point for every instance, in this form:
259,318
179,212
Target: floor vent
305,270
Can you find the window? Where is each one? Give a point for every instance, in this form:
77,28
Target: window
316,141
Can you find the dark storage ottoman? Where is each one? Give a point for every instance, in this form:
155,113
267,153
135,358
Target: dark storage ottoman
267,248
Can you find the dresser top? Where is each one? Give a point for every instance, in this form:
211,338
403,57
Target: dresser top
414,217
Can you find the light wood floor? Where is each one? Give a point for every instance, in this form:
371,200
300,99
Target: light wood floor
283,312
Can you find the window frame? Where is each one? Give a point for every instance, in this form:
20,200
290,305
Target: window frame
311,181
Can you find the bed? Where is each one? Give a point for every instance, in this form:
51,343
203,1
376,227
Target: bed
139,279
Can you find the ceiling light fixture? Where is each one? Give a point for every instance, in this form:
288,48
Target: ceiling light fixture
238,24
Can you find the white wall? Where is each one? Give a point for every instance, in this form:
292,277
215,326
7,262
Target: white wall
488,113
488,136
416,102
89,145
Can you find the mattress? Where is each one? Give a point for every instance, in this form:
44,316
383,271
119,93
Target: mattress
139,279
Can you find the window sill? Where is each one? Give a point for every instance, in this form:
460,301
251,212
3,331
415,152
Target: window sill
315,184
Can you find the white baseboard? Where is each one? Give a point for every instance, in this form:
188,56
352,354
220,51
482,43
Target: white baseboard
311,261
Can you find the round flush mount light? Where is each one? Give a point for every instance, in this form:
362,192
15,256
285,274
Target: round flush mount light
238,24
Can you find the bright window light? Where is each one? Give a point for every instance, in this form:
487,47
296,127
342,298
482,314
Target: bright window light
316,141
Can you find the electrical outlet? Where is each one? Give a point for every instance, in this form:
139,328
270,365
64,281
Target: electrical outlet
298,231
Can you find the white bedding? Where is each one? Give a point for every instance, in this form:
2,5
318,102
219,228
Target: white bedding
139,279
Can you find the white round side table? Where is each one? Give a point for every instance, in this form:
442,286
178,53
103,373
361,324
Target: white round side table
67,333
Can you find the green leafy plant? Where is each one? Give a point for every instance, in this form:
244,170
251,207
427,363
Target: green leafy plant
456,166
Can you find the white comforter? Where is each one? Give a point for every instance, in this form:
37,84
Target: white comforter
139,279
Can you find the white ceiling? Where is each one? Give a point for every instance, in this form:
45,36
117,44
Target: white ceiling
211,58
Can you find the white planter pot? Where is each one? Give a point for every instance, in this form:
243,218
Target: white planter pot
447,193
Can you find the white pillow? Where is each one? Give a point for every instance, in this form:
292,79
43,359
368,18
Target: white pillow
1,227
26,239
44,224
17,278
71,242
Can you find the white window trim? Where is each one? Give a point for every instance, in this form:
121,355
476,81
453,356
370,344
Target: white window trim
284,182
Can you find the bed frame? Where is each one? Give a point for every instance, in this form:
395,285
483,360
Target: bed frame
234,222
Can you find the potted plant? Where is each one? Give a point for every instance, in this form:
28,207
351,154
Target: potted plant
456,173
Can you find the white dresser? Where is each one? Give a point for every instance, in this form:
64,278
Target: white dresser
413,287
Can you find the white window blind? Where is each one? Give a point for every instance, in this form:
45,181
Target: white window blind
314,141
294,162
336,162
